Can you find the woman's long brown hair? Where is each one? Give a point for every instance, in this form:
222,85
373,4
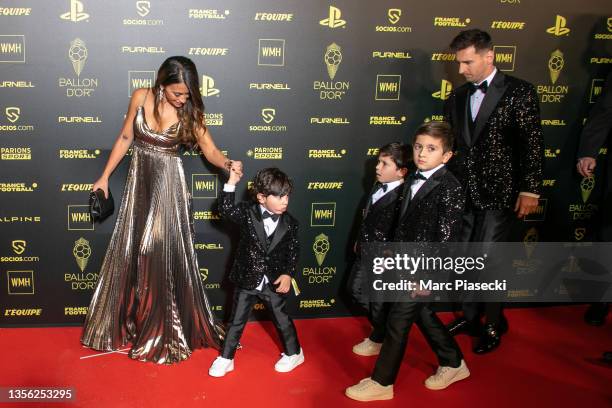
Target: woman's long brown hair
181,70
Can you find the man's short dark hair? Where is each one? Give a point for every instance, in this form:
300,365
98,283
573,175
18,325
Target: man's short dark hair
481,40
438,130
398,152
272,181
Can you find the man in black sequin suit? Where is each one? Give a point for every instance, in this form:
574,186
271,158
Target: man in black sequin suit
499,160
265,261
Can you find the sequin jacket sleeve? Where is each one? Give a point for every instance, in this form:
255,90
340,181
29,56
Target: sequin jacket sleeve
450,211
293,249
228,209
531,144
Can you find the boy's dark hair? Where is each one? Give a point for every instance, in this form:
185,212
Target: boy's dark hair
438,130
481,40
398,152
271,181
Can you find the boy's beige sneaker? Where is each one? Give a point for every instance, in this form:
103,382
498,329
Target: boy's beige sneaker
445,376
369,390
367,348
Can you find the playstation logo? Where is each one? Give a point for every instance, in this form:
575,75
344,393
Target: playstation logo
76,13
559,28
334,20
208,87
445,90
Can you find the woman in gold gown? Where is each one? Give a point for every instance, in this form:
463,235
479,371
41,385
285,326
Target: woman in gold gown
149,292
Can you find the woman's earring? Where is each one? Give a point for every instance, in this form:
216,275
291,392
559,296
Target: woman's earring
161,93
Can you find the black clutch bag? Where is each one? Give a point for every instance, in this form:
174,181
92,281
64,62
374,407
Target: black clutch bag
100,207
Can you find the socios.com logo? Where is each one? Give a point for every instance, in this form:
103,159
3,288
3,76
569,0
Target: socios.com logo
12,113
394,15
268,114
143,8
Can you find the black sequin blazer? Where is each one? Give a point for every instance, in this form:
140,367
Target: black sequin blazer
502,153
434,214
254,256
379,219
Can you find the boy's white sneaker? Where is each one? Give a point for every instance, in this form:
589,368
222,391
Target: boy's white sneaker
221,366
288,363
367,348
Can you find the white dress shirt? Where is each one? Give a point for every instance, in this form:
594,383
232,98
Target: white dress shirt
478,96
417,183
378,194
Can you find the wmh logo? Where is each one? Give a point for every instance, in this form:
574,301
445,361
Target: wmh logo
79,218
323,215
20,282
204,185
505,57
271,52
140,79
388,87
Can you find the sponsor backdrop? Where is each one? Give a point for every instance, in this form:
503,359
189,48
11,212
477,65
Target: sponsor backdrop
313,87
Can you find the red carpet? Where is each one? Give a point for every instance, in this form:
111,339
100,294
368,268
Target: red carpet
548,359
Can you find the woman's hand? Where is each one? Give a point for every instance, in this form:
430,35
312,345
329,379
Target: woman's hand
236,167
101,184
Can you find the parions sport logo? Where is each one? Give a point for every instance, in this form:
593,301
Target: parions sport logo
265,153
15,153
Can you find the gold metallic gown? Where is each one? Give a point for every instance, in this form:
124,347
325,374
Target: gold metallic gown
149,292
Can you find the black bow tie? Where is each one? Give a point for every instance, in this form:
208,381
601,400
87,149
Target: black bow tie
267,214
483,87
383,187
418,176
